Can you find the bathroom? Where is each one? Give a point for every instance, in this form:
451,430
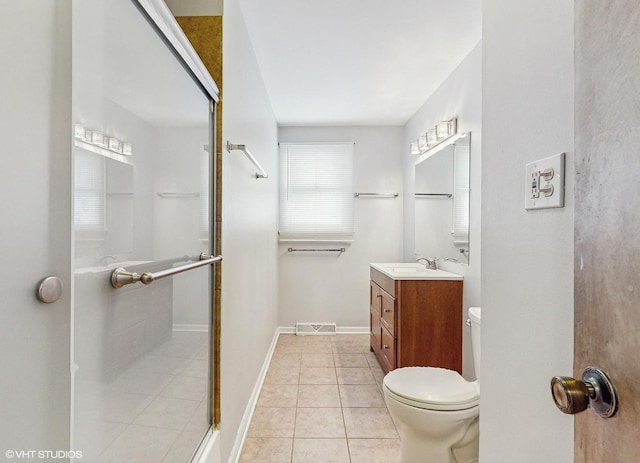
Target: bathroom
518,102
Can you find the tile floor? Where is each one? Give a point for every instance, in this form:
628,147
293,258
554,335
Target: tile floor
155,411
321,402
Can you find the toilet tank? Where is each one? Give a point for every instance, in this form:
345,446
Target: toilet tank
474,318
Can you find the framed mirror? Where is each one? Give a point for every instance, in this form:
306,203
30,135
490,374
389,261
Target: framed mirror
442,201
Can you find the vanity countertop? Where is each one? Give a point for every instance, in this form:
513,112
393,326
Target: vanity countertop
413,271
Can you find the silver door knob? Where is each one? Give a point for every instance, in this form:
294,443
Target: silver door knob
50,289
595,390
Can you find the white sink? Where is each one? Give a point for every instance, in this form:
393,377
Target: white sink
413,271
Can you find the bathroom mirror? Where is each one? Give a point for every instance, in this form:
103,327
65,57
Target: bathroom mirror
442,201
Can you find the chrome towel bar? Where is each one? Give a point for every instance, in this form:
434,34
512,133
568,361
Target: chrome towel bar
317,250
173,194
433,195
121,277
376,195
231,147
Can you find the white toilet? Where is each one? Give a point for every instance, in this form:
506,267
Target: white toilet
437,409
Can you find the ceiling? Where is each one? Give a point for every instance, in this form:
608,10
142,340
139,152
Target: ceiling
357,62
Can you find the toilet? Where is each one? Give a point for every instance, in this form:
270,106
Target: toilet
437,409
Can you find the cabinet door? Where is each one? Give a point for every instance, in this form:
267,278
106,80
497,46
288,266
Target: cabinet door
388,312
374,315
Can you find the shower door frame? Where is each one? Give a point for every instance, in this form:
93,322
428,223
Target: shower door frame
162,19
163,22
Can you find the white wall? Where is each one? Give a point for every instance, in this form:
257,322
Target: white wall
527,257
249,230
458,96
334,287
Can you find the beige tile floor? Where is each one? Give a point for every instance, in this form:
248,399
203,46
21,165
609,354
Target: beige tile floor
155,411
322,402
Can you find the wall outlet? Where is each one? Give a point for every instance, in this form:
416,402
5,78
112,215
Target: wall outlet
544,183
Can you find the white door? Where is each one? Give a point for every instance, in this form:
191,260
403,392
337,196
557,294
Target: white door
141,352
118,374
35,225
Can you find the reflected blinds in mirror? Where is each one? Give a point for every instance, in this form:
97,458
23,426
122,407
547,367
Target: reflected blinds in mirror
89,198
460,230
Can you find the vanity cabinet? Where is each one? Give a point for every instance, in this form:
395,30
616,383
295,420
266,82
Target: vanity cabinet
416,322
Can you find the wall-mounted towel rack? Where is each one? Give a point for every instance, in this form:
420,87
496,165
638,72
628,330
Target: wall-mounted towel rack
433,195
174,194
376,195
317,250
231,147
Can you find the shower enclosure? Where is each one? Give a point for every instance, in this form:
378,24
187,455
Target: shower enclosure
143,150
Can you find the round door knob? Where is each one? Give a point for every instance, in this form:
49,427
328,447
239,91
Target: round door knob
570,395
595,390
50,289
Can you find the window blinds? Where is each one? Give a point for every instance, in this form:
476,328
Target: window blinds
316,190
460,231
89,198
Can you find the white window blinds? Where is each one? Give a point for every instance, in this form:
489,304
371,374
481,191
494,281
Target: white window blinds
89,198
460,231
316,191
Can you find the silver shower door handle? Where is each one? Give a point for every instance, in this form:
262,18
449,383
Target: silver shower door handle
121,277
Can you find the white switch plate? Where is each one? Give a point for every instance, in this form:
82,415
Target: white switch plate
535,196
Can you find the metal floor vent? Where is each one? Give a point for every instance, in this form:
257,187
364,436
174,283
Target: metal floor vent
305,329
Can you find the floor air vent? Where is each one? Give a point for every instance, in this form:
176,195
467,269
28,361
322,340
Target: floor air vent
305,329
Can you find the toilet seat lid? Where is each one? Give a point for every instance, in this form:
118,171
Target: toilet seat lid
432,388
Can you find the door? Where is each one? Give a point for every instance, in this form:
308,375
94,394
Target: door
35,226
607,221
141,193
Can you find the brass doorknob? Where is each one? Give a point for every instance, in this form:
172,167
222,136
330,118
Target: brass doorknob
570,395
595,390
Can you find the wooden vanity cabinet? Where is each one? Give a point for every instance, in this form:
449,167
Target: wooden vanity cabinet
416,322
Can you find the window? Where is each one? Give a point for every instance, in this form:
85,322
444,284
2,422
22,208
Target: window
89,206
460,230
316,191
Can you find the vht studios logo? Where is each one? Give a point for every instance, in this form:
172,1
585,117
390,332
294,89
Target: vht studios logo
42,454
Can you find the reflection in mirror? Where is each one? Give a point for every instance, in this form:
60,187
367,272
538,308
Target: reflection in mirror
442,202
103,207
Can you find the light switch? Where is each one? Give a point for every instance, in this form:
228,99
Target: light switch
544,183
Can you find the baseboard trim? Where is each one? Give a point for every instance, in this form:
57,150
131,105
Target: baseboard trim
234,457
353,330
339,329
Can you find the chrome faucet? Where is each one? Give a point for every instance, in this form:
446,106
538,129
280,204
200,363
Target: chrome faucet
431,264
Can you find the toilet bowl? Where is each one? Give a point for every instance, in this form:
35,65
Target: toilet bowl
437,409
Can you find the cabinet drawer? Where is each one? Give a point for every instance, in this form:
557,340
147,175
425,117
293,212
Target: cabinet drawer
389,348
383,281
388,312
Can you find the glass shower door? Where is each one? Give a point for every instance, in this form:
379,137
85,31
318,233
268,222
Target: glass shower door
142,174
